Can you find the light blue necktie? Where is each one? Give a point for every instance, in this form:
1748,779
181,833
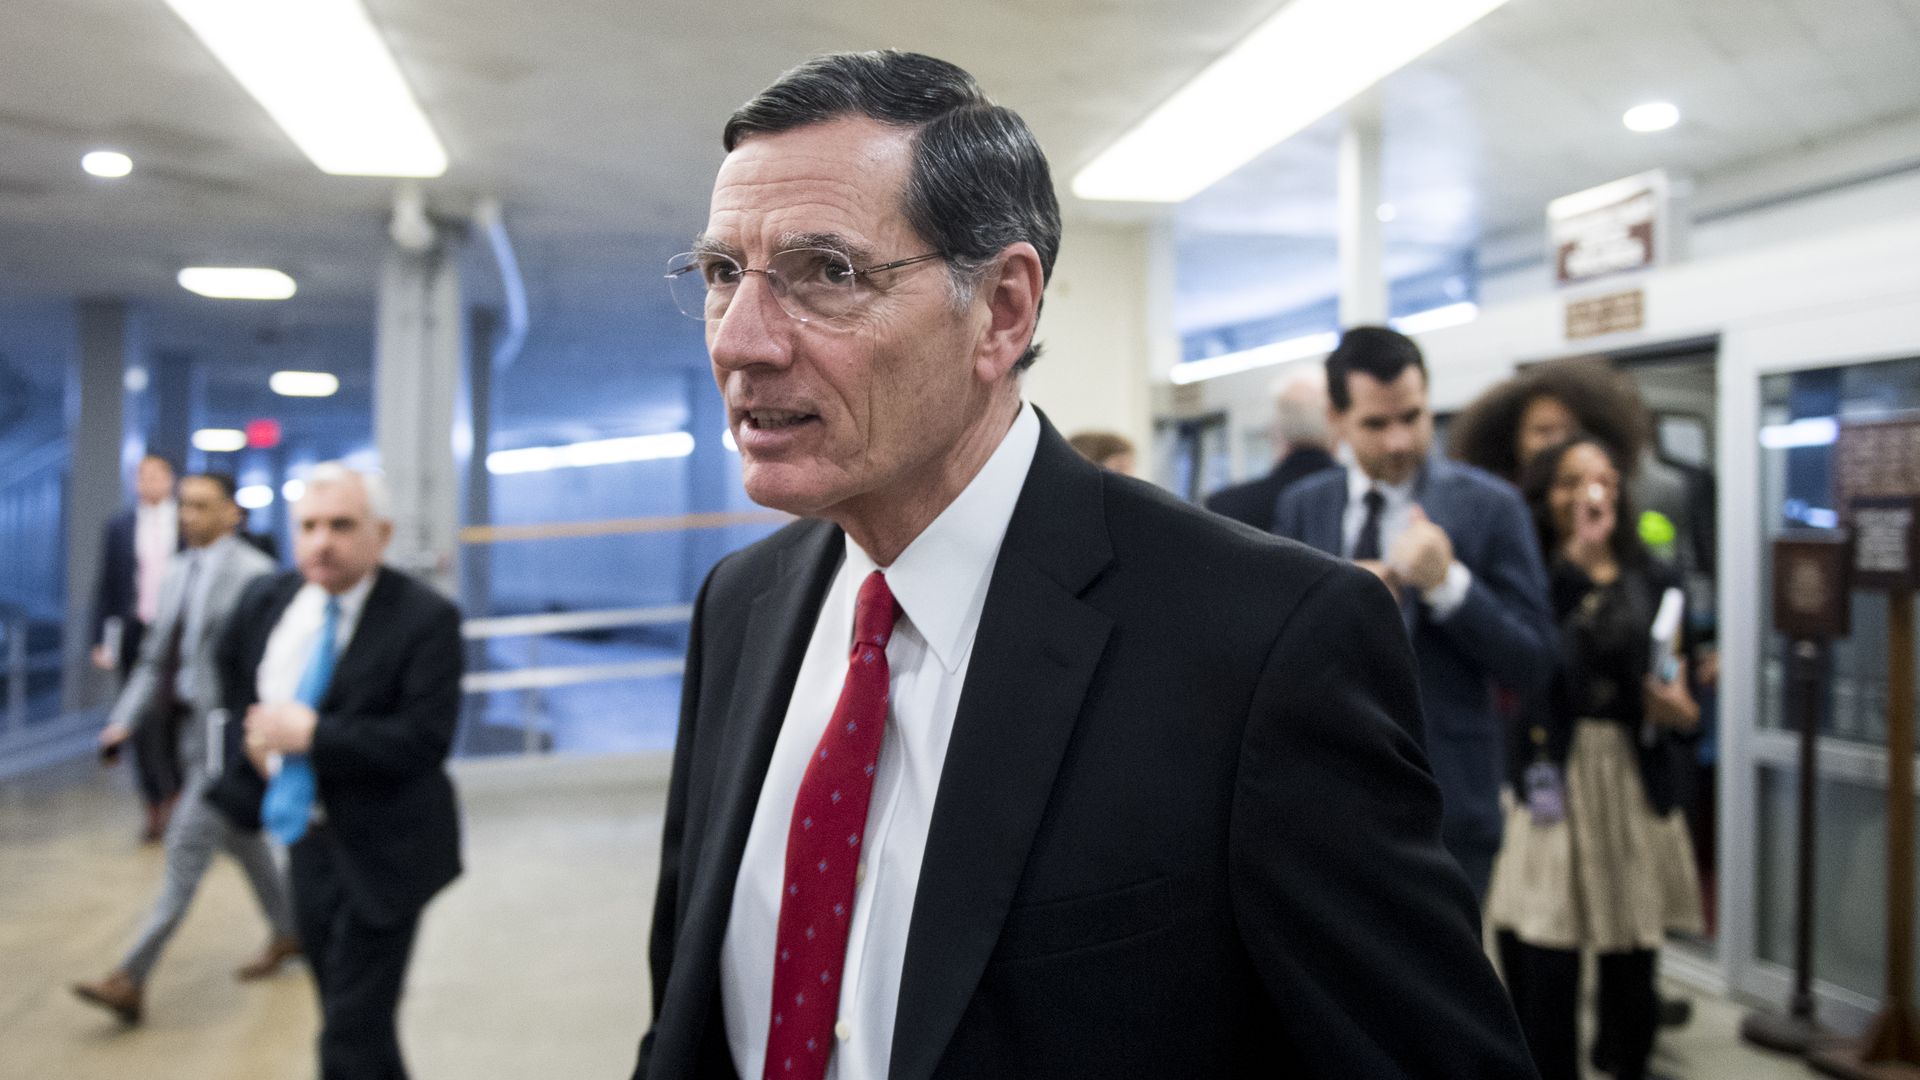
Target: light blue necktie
288,805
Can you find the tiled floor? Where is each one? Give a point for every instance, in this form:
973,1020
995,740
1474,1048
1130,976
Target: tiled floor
532,965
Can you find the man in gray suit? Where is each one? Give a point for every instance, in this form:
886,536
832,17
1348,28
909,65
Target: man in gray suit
176,686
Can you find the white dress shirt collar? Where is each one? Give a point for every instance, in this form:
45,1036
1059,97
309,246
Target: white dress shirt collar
941,579
1359,483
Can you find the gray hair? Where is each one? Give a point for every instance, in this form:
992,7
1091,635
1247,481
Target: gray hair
979,181
1300,408
328,473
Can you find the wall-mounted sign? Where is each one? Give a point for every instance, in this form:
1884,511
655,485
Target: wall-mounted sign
1811,591
1877,458
1610,229
1613,313
1886,532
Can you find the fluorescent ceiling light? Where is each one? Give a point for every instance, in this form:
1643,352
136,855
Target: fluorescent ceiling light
108,163
304,383
1650,117
1247,359
219,440
672,444
254,496
293,490
1813,431
1309,59
237,282
1439,318
321,70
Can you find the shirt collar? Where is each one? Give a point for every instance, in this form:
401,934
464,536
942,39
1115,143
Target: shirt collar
940,580
351,601
1358,483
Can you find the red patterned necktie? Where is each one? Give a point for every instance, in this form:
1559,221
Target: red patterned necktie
823,851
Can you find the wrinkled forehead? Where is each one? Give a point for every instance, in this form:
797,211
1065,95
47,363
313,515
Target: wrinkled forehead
838,184
334,500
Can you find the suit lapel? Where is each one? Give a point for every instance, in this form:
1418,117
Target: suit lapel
778,628
1034,657
365,643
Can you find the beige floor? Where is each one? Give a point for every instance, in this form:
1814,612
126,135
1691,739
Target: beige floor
531,966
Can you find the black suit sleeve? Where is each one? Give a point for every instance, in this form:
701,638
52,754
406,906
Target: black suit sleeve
417,736
666,897
1357,921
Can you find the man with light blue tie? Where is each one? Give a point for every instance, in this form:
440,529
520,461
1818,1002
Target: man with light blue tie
348,676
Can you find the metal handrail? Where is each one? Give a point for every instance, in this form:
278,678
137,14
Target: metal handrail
570,622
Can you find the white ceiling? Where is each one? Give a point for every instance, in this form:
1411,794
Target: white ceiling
596,124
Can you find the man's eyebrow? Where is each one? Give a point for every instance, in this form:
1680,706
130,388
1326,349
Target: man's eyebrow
859,253
706,245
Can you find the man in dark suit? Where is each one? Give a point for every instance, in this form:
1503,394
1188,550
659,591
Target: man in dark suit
348,676
138,545
1000,764
1457,547
1300,441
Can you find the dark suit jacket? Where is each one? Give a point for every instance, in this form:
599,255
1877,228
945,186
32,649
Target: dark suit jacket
116,592
386,725
1182,829
1503,633
1253,502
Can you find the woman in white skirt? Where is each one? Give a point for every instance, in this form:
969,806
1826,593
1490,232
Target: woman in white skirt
1596,856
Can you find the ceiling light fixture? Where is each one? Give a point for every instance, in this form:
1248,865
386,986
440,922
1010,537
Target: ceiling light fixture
304,383
1233,363
323,73
236,282
219,440
111,164
671,444
1651,116
1309,59
254,497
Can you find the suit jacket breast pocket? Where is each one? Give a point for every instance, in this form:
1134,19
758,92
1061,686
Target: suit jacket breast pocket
1056,927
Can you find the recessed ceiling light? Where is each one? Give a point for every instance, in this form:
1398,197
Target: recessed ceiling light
1306,61
304,383
237,282
254,496
219,440
324,74
1651,116
111,164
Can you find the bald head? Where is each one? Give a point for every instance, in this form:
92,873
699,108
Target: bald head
1300,410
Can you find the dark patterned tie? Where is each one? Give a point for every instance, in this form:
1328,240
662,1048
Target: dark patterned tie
823,851
1367,544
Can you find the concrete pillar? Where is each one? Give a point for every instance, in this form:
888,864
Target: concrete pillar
96,390
473,439
418,354
1107,328
1363,282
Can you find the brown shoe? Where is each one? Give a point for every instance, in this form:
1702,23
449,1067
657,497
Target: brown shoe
117,993
278,951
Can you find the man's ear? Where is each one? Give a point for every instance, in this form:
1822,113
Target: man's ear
1011,292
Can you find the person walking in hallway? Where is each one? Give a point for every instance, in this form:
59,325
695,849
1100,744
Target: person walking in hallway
998,764
176,688
347,675
1302,443
134,555
1455,544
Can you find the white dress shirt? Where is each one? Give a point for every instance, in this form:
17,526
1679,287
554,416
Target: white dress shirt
1443,599
940,581
156,537
291,644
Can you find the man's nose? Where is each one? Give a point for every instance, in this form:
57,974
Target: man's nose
754,330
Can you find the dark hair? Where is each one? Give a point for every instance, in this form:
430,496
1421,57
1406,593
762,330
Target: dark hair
979,181
1536,484
1372,350
1604,403
223,481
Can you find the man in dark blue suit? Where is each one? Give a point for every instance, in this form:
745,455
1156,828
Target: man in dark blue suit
1456,546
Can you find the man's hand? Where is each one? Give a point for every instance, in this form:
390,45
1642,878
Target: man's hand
1422,553
1382,571
112,737
102,659
285,727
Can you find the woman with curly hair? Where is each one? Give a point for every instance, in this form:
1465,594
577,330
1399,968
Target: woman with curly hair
1548,404
1596,855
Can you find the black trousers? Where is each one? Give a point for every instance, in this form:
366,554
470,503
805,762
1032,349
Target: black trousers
1545,985
359,965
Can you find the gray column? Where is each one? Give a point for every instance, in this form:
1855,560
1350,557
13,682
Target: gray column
96,390
476,419
418,354
1363,283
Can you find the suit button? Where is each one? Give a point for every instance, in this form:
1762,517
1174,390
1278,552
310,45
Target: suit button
842,1032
